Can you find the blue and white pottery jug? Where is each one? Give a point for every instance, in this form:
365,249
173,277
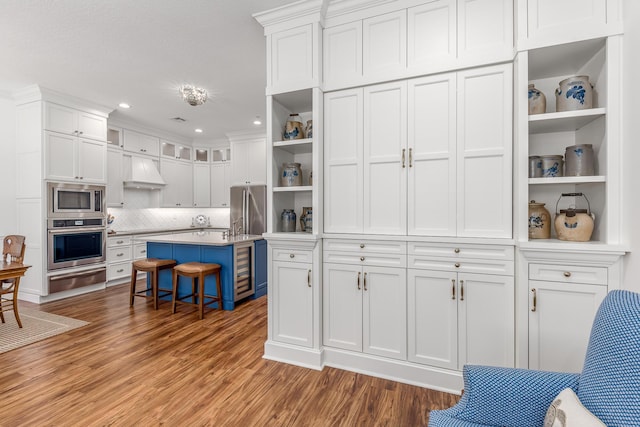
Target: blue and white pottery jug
574,93
291,175
293,129
288,220
537,101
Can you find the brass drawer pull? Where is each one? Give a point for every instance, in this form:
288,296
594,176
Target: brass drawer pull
457,265
309,278
359,280
461,290
365,281
535,300
453,288
403,157
567,274
410,157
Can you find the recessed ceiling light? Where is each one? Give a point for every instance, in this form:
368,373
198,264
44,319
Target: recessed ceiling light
124,105
198,130
257,121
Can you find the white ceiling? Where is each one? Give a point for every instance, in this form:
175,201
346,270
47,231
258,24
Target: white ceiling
140,52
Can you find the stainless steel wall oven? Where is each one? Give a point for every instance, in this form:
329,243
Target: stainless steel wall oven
75,242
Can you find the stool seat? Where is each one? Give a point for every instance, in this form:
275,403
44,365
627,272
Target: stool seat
197,271
153,266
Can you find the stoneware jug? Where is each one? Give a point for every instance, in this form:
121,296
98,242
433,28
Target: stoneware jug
552,166
539,221
291,175
578,160
574,93
537,101
288,220
574,225
293,129
306,220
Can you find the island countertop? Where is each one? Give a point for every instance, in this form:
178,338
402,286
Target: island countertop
213,238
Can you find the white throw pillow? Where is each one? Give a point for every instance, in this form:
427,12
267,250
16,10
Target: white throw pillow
567,411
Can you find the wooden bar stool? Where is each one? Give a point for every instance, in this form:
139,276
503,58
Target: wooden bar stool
153,267
197,271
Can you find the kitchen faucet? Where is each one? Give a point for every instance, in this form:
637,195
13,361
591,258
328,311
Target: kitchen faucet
235,228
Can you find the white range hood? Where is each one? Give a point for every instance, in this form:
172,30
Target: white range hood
143,174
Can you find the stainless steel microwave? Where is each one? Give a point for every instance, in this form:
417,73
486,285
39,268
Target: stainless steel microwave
67,200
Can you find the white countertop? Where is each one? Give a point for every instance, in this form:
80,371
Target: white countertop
213,238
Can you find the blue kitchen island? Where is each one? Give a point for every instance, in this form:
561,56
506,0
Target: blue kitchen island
243,260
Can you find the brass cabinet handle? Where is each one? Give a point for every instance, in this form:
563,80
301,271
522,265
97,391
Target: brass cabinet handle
567,274
365,281
403,156
361,258
359,280
457,264
456,250
309,278
291,255
461,290
535,302
361,245
410,157
453,288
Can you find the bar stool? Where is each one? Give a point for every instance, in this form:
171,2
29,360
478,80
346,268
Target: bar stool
197,271
153,267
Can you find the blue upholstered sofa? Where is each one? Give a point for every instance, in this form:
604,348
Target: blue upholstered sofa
609,385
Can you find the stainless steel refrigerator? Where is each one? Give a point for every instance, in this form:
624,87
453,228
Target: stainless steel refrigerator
249,208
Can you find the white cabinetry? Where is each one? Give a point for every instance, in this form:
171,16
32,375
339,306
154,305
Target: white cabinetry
201,185
70,158
384,44
140,143
115,177
432,35
364,299
174,150
119,256
248,161
460,305
178,176
69,121
220,177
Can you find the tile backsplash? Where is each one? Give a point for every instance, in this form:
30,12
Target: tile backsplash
130,219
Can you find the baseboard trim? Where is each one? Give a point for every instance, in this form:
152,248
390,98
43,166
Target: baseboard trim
305,357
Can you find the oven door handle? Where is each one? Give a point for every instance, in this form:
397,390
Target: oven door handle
76,274
77,230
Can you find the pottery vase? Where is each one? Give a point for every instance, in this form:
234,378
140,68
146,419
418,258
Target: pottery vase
291,175
574,93
288,221
293,128
539,221
537,101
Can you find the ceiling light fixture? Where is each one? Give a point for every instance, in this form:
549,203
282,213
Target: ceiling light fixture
198,130
124,105
193,95
257,121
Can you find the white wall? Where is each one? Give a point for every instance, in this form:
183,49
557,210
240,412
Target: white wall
631,135
7,166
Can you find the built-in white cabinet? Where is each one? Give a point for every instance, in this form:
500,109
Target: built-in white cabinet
174,150
72,158
70,121
384,44
178,176
248,161
119,256
432,35
115,177
201,185
551,22
141,143
220,178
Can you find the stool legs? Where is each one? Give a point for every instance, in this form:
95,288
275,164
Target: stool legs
175,291
132,290
197,272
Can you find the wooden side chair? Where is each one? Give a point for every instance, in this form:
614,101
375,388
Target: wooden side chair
14,246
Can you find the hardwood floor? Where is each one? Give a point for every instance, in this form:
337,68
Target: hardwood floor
145,368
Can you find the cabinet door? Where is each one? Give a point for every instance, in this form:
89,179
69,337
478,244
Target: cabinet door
384,45
432,318
432,35
115,178
257,162
432,156
292,297
342,58
220,184
92,160
179,178
92,126
384,311
385,159
342,306
343,144
485,30
486,320
140,143
484,152
60,119
201,185
291,58
61,157
560,323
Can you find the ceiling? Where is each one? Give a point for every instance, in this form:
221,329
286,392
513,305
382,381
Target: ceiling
140,52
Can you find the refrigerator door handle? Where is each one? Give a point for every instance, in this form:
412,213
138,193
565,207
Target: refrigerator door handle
245,211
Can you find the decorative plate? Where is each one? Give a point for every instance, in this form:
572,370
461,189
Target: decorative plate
201,220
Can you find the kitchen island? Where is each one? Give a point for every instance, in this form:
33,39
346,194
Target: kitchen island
243,260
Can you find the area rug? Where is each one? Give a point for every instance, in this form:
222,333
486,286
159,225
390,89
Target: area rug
36,326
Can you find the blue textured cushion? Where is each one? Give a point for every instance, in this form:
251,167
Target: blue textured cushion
610,381
504,397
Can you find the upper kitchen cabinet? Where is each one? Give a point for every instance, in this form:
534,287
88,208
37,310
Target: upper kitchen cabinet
115,177
248,164
440,35
140,143
552,22
178,176
70,121
174,150
293,35
69,158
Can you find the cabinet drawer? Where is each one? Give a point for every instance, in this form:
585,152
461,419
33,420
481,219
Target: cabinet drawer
365,246
118,241
465,251
117,254
371,259
139,250
568,274
118,270
291,255
482,266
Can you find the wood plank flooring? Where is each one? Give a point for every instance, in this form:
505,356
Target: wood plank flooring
141,367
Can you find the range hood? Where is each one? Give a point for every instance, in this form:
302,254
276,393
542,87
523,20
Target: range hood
143,173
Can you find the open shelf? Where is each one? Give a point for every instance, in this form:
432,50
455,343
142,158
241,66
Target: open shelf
568,180
296,189
563,121
296,146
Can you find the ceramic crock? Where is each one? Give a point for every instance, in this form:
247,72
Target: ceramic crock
537,101
308,131
535,166
539,221
552,166
288,220
306,220
291,175
578,160
293,128
574,225
574,93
